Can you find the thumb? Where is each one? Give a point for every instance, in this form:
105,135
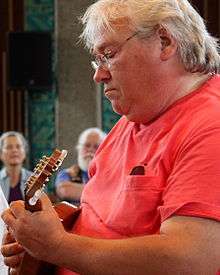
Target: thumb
45,202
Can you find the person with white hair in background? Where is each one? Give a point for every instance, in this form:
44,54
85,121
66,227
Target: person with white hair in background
70,182
152,204
13,176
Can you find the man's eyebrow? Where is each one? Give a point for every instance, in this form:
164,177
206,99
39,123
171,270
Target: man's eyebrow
101,48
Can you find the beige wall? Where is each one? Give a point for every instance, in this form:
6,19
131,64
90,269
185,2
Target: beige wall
77,106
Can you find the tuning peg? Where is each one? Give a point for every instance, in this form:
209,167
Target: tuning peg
44,157
55,167
37,195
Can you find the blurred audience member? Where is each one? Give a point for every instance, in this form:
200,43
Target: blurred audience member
70,182
13,175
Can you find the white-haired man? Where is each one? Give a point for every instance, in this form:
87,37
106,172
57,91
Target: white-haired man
152,205
71,181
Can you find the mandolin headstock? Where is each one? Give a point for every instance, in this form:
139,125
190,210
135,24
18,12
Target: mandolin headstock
36,182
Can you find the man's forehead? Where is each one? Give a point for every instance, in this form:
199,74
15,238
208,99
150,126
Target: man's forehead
106,39
101,42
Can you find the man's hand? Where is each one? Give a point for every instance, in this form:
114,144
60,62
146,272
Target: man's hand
73,171
39,233
13,253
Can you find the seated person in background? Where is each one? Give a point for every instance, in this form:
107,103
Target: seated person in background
13,148
70,182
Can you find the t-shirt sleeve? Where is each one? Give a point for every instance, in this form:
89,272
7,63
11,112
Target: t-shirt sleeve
62,176
193,187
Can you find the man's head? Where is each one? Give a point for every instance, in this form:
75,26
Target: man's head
13,147
196,47
88,143
144,50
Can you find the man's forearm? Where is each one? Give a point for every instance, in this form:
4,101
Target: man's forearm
186,245
152,255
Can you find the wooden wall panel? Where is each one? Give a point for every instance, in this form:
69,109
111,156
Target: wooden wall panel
212,16
210,11
12,112
199,5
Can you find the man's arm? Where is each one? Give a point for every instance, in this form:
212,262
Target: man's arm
68,184
69,190
185,245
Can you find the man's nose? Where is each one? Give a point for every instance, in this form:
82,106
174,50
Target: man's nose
101,75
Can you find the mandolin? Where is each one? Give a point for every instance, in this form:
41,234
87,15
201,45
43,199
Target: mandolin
66,212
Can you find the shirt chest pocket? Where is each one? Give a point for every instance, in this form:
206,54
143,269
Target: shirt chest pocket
135,210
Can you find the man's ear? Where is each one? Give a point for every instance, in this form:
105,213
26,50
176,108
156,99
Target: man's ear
168,44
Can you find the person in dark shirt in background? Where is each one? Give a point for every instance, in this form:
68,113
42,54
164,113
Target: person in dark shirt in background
13,149
71,181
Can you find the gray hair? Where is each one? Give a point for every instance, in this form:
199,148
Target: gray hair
198,50
13,134
83,136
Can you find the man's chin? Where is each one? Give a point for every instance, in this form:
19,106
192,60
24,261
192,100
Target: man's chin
117,109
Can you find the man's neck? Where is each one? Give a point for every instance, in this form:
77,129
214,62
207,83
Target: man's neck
188,84
196,82
183,85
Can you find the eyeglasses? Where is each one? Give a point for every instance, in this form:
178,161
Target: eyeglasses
103,60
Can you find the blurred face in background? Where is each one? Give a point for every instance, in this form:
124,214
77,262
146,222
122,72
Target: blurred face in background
13,151
87,150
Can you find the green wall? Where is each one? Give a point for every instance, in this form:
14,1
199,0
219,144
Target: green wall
39,16
41,105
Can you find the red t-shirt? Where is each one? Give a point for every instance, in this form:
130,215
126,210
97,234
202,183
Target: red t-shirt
180,154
